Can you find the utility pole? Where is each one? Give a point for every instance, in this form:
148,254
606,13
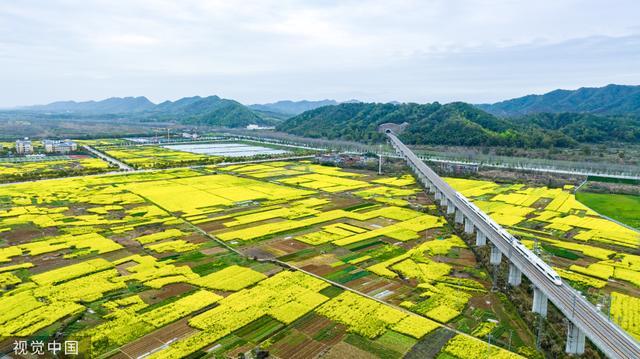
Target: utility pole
380,160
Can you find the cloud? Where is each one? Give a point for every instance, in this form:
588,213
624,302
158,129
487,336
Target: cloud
128,40
258,51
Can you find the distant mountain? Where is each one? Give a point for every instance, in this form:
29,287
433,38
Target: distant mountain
557,119
460,124
181,104
113,105
586,127
608,100
451,124
272,116
291,107
211,110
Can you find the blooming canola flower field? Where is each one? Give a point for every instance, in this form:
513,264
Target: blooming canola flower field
290,257
596,255
554,209
150,154
144,157
51,166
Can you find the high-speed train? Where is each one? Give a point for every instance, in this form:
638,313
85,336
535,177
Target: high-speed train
515,243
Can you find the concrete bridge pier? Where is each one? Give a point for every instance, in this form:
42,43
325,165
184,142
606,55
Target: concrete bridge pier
602,334
515,275
575,340
481,239
496,255
468,226
459,216
422,179
443,200
450,207
539,302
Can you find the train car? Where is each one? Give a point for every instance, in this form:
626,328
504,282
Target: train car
515,243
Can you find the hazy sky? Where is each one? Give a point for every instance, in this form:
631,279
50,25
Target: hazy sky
262,51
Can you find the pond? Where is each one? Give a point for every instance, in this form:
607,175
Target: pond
226,149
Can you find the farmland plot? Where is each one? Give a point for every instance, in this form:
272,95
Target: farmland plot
119,259
594,254
12,170
388,241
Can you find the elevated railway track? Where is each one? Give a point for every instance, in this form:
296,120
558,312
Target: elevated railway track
585,320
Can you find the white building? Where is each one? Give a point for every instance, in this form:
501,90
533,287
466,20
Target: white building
192,136
257,127
24,147
66,146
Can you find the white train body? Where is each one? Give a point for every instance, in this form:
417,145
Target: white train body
515,243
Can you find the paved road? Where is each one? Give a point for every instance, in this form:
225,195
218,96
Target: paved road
123,166
607,336
515,166
118,173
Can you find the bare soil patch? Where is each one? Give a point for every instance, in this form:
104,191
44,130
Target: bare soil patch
343,350
170,290
214,250
320,270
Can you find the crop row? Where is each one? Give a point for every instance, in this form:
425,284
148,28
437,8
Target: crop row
625,310
371,319
285,296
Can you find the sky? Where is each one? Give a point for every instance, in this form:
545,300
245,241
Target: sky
269,50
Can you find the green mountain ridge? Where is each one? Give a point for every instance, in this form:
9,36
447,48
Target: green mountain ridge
460,124
608,100
560,118
111,105
291,108
211,110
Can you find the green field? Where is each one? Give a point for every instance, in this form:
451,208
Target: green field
621,207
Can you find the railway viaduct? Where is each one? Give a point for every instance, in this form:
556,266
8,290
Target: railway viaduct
584,319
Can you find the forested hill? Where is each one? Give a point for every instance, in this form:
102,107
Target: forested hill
110,105
291,108
210,110
608,100
459,124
